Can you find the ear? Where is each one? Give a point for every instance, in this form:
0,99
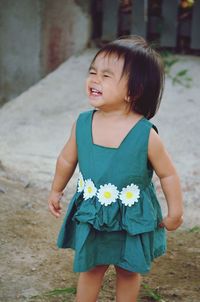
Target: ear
127,99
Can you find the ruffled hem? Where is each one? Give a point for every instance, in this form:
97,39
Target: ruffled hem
133,253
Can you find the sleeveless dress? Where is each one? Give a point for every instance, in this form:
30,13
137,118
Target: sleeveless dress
114,215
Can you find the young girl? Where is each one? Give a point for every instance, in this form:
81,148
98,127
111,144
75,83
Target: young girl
114,216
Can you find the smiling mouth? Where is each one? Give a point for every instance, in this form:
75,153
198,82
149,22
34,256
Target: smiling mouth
95,92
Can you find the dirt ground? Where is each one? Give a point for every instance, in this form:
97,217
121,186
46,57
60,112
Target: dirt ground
34,270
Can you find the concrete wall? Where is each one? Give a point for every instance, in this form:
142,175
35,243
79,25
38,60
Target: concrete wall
66,30
36,36
19,46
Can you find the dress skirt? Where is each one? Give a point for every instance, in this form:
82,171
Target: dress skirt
92,247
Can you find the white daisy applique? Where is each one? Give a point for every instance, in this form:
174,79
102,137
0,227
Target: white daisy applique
130,195
107,194
80,183
89,189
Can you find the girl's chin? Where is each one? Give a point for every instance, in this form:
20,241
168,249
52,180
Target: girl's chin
94,97
95,101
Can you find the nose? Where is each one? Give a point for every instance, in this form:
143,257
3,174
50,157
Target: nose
96,78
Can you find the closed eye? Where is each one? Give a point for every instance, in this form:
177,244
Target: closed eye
92,72
106,76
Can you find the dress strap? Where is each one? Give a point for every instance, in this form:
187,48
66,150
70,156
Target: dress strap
155,128
83,128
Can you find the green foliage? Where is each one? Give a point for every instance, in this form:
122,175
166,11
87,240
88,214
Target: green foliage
54,293
152,293
195,229
61,291
181,77
169,60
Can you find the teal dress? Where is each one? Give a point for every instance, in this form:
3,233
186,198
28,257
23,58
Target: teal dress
114,215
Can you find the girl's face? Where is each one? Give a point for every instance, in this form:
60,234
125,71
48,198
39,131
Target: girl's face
105,86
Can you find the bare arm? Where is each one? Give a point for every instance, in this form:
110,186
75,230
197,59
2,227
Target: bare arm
65,166
169,180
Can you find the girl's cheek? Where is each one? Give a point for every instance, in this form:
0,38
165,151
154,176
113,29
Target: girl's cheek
88,80
87,86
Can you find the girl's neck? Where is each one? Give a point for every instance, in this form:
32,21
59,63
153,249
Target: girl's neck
118,113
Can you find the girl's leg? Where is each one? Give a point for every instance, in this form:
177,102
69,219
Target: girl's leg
127,285
89,284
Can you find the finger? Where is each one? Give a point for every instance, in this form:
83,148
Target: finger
54,211
56,204
57,208
161,225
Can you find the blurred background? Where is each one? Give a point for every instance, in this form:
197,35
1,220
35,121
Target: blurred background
36,36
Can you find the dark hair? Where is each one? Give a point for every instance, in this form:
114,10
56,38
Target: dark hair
144,69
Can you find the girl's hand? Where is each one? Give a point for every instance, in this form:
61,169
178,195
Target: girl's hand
171,223
54,203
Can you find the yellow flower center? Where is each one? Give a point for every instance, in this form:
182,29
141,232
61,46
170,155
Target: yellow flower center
107,194
81,183
129,195
89,189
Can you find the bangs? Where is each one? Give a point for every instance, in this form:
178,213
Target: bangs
125,49
117,51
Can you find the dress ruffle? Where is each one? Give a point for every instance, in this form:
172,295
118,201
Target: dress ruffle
143,216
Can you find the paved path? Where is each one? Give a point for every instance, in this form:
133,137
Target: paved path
35,126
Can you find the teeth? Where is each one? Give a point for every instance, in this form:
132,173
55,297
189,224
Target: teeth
95,90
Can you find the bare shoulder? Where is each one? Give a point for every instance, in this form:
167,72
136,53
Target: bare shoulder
154,139
155,146
159,157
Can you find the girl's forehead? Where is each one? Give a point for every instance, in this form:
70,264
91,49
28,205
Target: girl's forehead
108,60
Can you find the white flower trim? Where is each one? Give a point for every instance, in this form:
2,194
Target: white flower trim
81,183
89,189
107,194
130,195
